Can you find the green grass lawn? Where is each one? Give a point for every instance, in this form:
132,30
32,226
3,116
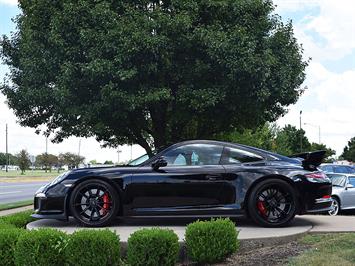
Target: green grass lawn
29,173
327,249
8,206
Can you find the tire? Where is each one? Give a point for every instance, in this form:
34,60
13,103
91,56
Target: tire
94,203
272,203
336,207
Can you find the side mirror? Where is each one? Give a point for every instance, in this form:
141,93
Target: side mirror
160,162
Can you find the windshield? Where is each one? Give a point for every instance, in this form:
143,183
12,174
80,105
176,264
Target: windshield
338,180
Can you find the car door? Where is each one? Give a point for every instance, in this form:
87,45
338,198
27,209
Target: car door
241,166
190,184
348,196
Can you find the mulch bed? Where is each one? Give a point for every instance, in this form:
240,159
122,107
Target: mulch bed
271,255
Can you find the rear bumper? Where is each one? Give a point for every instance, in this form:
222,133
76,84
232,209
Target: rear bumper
315,196
320,205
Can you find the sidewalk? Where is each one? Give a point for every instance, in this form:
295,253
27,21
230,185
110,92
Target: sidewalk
11,211
331,224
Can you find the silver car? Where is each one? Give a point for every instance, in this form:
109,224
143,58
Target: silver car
343,193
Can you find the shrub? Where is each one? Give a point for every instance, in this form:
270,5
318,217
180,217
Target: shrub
8,240
211,241
41,248
20,219
152,247
91,247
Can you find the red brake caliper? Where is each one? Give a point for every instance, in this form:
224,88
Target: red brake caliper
261,207
105,199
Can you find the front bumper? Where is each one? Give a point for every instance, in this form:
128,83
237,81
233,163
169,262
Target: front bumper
50,203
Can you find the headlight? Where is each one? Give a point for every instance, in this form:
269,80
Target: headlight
59,178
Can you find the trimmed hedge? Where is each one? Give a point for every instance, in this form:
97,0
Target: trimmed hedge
19,220
40,248
211,241
8,240
93,247
152,247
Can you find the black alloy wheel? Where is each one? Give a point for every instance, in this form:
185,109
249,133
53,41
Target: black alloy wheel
272,203
94,203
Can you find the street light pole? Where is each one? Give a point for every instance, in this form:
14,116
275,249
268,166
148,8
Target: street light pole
79,147
301,129
317,126
118,155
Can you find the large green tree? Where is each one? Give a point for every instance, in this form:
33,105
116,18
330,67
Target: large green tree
261,137
46,160
288,140
150,72
284,140
23,160
70,159
349,151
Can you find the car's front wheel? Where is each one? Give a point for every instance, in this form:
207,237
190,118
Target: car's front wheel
94,203
272,203
335,208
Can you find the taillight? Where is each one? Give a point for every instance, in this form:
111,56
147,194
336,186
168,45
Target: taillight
316,175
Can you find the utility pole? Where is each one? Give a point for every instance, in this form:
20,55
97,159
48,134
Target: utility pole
46,145
7,153
301,129
131,151
46,155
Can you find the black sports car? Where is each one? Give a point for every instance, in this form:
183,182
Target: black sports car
197,178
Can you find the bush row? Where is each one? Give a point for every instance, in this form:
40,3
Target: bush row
206,242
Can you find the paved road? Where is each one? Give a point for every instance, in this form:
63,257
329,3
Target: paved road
13,192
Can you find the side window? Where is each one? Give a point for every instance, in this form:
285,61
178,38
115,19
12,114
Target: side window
236,156
352,181
194,154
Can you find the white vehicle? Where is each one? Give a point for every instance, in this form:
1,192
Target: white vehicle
10,168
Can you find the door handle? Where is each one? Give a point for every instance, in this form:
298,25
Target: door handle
212,177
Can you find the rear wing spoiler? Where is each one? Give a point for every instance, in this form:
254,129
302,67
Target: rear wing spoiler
310,160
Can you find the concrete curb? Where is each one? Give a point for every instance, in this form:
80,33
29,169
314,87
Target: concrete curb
16,210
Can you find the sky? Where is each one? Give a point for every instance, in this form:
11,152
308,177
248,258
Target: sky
326,30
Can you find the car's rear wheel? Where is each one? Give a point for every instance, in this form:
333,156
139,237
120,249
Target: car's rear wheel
272,203
94,203
335,207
